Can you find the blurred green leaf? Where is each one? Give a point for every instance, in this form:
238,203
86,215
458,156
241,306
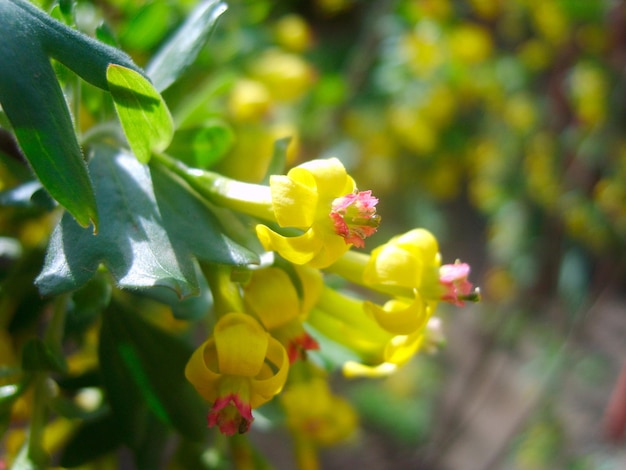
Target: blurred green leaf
148,26
37,356
177,54
279,159
143,367
34,103
30,194
145,118
93,439
87,303
133,243
202,147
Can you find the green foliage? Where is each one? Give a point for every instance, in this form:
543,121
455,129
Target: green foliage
143,113
34,102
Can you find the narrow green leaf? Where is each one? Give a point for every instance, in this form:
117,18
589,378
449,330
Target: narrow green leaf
34,103
143,367
279,159
171,61
145,118
148,26
132,243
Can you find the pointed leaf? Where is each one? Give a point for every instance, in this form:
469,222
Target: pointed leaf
145,118
171,61
132,243
34,103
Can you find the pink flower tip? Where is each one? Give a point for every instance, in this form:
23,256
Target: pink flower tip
354,217
231,415
299,345
457,289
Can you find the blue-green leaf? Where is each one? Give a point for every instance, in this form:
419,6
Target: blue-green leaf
132,243
34,103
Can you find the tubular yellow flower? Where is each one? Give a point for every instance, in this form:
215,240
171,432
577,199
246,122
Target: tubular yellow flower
348,322
312,198
239,368
408,268
318,201
274,299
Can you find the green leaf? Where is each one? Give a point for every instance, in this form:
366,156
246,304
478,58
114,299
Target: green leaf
29,194
132,243
143,368
145,118
87,304
153,227
34,103
93,439
148,26
279,159
37,356
171,61
189,220
202,147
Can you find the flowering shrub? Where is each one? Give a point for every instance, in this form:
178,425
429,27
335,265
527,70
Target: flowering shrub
212,211
184,284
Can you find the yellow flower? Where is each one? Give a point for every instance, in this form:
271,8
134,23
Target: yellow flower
347,321
272,296
316,206
310,198
314,412
239,368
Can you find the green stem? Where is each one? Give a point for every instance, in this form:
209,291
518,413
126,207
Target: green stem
36,451
226,294
247,198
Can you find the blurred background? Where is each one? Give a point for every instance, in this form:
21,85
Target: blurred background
496,124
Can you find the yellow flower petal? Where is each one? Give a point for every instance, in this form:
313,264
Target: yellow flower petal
419,241
329,175
264,388
241,344
312,285
271,295
294,201
200,374
402,348
399,317
353,369
298,250
395,266
330,249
